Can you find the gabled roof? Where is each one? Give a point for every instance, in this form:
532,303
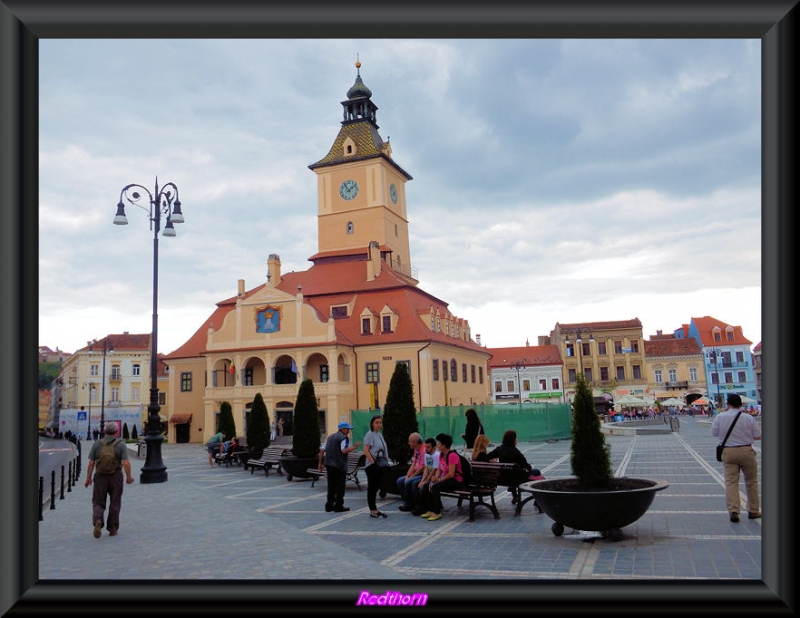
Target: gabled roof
529,356
705,327
672,347
196,344
329,284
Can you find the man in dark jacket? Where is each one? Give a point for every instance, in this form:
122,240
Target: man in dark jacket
333,456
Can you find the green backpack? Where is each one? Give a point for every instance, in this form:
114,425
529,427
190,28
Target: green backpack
107,460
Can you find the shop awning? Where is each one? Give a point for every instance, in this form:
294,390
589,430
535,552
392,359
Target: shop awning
180,419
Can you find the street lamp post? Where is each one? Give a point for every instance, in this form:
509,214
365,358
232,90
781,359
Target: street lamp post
108,348
715,356
161,202
89,413
519,365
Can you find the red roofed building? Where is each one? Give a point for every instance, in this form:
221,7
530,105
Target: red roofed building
728,360
528,374
345,322
675,367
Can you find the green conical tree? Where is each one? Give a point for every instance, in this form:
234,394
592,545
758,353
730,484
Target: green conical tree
590,454
134,435
305,426
399,414
226,422
125,433
258,425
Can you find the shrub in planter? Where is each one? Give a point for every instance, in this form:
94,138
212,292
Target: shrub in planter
590,454
258,425
305,426
226,422
399,414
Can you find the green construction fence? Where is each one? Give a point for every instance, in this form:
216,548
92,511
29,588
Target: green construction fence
532,422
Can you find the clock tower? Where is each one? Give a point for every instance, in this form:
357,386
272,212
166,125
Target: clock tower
360,189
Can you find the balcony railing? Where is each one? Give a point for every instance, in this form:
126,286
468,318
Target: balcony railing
678,384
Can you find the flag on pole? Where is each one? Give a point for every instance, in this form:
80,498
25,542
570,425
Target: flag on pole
231,368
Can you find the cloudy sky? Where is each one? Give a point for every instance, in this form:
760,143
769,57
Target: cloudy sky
554,180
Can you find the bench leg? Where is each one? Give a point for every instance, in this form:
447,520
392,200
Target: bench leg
481,502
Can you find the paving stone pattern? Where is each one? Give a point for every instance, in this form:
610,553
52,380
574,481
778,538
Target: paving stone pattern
278,529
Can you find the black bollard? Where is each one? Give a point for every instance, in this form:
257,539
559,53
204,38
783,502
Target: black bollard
69,479
53,490
62,481
41,497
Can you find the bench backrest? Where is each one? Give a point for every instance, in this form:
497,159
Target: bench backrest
485,474
355,460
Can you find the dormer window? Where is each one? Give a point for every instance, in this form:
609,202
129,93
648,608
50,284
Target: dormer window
366,326
387,324
349,147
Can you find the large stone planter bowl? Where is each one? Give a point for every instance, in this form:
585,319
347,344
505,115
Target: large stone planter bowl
600,511
297,466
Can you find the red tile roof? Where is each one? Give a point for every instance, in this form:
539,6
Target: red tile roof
125,341
634,323
704,328
530,356
326,284
672,347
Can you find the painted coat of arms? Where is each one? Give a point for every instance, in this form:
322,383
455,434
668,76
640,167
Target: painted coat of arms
268,319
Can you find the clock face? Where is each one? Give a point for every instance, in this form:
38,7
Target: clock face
348,189
393,193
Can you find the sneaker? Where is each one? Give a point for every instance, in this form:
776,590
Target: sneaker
754,515
378,514
735,518
113,533
435,516
342,509
98,529
403,507
426,514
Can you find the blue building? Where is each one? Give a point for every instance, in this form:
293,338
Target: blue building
727,358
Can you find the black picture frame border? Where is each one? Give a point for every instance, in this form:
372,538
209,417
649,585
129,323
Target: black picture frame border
24,22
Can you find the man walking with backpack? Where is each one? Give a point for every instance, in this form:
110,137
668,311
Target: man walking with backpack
107,458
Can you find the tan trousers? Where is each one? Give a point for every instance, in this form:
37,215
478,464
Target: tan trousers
736,459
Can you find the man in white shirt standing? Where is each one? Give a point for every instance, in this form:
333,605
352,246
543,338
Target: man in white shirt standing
739,456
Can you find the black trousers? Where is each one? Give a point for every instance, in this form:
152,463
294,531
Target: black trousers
374,481
337,479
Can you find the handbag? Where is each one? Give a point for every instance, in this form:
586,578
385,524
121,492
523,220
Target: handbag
730,429
381,460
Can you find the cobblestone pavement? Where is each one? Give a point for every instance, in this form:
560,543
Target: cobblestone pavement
263,534
278,529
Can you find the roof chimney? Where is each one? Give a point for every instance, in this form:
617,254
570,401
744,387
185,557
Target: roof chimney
273,269
241,287
373,260
478,339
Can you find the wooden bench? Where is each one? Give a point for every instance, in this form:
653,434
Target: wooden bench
482,485
355,461
270,457
511,475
